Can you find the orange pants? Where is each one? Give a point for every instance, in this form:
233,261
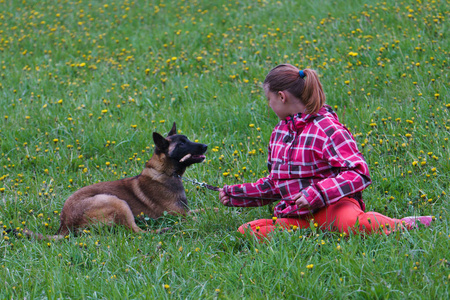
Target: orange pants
343,216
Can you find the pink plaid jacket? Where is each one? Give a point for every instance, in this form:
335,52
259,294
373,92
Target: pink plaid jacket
309,153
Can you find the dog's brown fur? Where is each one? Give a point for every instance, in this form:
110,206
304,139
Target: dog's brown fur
157,189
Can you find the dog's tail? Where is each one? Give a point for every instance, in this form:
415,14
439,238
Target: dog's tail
39,236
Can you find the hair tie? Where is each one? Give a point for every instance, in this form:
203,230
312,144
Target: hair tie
301,73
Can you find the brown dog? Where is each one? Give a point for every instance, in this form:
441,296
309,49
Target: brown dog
157,189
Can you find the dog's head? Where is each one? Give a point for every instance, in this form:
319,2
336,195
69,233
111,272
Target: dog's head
179,148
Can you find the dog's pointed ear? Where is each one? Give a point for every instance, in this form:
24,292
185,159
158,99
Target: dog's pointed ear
160,142
173,130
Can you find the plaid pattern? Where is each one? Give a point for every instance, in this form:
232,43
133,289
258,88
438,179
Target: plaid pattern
309,153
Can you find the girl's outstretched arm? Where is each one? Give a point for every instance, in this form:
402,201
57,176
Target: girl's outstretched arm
248,194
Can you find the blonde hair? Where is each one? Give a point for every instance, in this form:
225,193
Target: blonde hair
308,89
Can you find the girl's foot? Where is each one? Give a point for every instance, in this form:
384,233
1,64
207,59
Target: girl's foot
412,222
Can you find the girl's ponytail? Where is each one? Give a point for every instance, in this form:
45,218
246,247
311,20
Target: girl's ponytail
303,84
313,96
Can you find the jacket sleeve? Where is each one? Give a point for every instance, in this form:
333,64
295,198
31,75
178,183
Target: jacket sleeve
341,152
262,188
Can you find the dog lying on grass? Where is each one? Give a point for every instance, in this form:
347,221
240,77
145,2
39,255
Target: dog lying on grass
157,189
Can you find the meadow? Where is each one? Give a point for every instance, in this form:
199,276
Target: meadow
83,84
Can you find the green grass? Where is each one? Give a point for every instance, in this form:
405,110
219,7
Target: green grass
83,86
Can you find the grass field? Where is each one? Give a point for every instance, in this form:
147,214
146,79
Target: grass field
83,84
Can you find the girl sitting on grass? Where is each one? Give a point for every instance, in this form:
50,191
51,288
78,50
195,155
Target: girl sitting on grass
315,167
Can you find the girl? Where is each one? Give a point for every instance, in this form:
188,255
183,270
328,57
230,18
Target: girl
315,167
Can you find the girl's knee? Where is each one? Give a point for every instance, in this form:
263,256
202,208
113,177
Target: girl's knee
343,216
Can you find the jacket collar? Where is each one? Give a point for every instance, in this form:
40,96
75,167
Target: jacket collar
299,120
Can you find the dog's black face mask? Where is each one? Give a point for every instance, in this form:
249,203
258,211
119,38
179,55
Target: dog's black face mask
179,148
186,152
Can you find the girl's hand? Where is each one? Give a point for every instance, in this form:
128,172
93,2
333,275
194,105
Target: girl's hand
224,198
301,201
